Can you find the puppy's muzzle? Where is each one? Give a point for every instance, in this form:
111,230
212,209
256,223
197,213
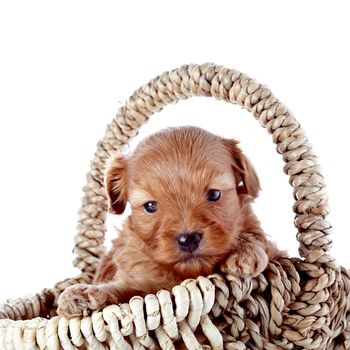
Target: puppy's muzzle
189,241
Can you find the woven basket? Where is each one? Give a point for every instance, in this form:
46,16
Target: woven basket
296,303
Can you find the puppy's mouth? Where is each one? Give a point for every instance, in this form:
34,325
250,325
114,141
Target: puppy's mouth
198,258
190,257
191,265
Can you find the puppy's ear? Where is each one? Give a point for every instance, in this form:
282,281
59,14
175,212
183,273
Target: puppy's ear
116,183
246,177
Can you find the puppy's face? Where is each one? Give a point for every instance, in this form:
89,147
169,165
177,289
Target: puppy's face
186,188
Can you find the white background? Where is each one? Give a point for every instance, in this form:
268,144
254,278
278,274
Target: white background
67,66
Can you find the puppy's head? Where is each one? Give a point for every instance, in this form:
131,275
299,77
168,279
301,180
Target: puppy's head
186,188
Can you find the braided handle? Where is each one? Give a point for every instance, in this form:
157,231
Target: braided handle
231,86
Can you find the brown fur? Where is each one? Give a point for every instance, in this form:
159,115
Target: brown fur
176,167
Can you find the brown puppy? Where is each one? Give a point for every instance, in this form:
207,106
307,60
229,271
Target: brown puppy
190,193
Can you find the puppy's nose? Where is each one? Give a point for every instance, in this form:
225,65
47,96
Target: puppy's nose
189,241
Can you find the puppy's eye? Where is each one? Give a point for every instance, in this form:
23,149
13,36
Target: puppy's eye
213,195
150,207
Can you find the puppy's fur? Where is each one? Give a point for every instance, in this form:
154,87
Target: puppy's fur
176,168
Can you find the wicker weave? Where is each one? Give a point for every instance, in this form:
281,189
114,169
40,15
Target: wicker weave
297,303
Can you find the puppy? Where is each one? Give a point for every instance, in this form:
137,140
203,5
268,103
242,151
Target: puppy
190,194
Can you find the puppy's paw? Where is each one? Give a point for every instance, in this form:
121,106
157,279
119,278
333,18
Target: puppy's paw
80,300
246,263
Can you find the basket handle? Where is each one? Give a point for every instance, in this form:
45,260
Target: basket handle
227,85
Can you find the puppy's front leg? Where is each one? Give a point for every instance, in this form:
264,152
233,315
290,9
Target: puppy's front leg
81,299
249,258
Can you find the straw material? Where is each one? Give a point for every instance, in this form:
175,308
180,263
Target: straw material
296,303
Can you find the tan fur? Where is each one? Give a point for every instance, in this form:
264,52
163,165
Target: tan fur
176,167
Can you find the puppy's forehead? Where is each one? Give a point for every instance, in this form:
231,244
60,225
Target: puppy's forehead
182,144
182,156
